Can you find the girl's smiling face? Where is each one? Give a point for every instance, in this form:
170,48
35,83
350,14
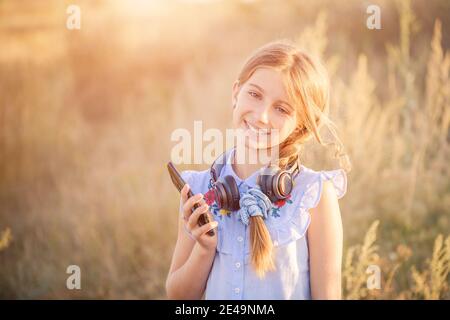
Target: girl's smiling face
262,109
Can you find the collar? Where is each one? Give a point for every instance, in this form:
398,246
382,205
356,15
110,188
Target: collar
243,184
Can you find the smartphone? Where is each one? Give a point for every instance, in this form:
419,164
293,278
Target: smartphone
179,184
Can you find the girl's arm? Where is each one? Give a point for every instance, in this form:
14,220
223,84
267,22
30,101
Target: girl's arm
325,246
190,267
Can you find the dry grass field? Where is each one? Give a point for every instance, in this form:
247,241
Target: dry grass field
86,117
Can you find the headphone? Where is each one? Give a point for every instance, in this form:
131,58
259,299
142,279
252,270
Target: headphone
274,182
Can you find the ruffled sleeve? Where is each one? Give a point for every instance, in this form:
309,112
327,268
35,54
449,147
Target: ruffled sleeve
313,190
294,222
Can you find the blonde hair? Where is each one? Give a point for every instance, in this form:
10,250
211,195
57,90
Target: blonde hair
307,84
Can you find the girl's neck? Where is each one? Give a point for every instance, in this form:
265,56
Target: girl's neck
254,160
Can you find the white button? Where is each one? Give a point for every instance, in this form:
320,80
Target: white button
237,290
238,264
240,239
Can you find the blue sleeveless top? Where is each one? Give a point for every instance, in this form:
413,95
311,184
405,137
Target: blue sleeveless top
232,276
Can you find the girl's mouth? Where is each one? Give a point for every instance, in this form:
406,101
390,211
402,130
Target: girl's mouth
256,130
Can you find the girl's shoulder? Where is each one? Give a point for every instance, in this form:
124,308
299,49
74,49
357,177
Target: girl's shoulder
308,185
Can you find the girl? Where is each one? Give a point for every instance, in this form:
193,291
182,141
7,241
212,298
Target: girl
288,247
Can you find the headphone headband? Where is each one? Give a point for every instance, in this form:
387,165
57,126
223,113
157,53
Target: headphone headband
216,167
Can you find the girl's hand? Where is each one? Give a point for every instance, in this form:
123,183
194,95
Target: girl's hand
198,233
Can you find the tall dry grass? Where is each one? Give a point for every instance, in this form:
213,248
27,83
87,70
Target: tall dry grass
431,283
86,117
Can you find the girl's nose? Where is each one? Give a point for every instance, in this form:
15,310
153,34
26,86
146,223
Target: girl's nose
263,115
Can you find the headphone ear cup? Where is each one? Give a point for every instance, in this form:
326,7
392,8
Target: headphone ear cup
282,185
275,183
220,194
233,195
261,182
265,182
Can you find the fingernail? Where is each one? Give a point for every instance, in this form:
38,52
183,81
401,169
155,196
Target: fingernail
215,223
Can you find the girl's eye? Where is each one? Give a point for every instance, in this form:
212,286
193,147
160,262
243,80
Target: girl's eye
253,94
282,110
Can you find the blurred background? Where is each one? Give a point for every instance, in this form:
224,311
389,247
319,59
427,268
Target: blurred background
86,117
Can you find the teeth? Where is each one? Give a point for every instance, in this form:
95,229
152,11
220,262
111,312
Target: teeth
252,128
256,130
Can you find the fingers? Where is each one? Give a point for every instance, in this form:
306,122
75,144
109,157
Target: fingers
193,219
204,229
189,203
211,217
184,193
